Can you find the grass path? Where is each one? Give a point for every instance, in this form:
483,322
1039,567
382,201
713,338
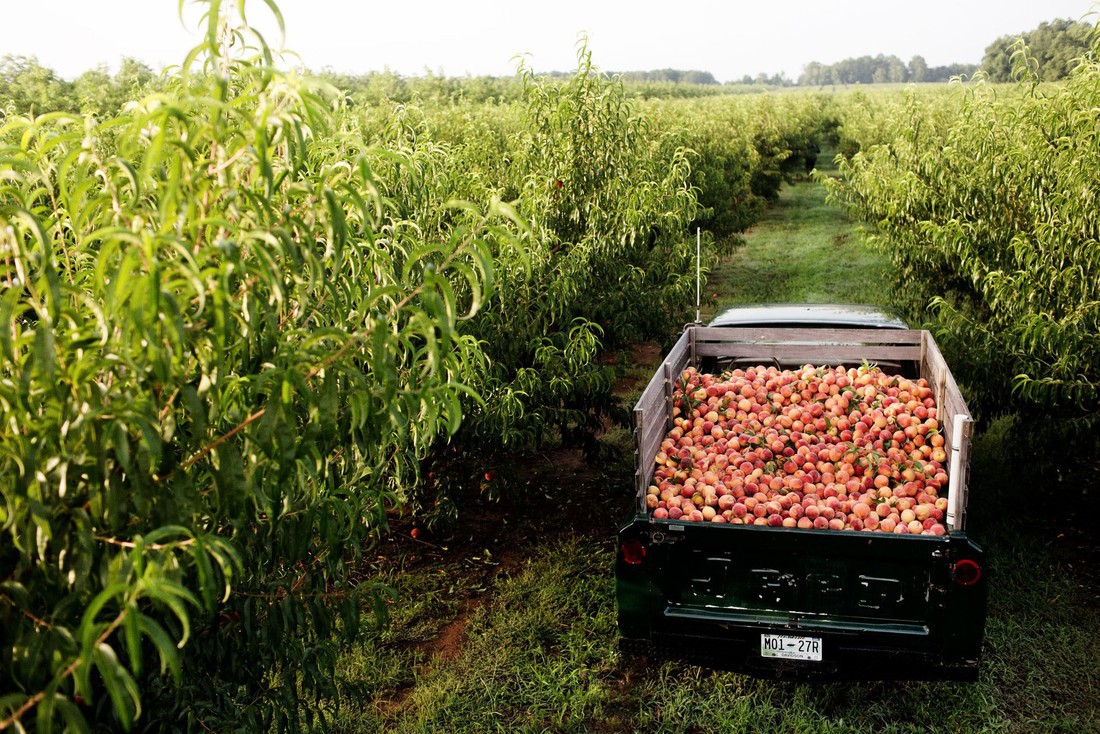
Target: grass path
803,250
508,623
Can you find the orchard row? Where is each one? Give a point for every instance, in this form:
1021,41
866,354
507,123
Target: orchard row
245,319
986,201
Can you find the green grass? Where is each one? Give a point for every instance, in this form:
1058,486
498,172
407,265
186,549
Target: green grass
538,646
540,656
803,251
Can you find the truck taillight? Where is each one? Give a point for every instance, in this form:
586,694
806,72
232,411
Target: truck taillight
967,572
633,552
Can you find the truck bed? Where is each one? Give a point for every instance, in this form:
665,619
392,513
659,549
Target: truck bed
876,605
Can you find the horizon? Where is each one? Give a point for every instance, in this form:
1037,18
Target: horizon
729,47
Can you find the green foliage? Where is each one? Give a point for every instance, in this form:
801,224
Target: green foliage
223,356
865,118
743,149
1054,49
27,87
880,69
989,210
607,203
674,76
246,321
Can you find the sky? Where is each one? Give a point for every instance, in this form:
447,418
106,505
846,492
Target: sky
483,37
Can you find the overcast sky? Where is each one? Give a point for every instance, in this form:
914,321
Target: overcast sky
474,37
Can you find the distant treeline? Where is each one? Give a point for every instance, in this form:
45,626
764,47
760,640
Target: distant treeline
1052,51
28,86
670,75
880,70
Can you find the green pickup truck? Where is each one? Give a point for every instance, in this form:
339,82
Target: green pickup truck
784,602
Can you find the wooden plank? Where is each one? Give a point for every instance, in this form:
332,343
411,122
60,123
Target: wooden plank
810,336
934,369
953,405
816,354
639,497
679,355
674,365
649,443
649,416
956,423
949,399
652,400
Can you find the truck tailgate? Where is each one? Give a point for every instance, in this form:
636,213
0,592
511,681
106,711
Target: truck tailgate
715,591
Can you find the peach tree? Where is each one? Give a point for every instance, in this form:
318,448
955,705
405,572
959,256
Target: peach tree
988,208
221,359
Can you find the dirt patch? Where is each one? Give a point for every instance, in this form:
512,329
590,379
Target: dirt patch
449,643
452,636
393,704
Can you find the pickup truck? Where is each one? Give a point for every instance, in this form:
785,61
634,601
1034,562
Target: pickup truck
782,602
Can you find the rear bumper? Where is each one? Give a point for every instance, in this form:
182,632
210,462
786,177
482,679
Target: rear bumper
844,657
883,607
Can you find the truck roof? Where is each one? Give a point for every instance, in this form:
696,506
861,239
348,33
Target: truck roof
812,315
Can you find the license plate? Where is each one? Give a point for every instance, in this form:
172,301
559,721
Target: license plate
790,647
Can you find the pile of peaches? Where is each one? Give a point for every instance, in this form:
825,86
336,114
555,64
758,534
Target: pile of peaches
827,448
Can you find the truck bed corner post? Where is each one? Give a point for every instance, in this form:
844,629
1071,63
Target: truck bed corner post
959,471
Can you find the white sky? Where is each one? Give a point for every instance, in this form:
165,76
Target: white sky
728,39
